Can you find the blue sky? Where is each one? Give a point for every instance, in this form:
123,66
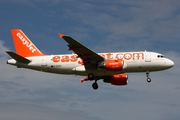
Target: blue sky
103,26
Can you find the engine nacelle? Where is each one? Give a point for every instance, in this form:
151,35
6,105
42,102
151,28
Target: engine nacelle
119,79
113,65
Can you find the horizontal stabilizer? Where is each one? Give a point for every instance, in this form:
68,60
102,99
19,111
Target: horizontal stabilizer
18,57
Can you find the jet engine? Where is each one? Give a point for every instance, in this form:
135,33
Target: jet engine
119,79
113,65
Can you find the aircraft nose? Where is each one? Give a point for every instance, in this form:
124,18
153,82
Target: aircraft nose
170,63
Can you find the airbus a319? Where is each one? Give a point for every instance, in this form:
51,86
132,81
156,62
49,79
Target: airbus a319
111,67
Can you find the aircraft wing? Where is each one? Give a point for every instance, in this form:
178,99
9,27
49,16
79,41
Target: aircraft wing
87,55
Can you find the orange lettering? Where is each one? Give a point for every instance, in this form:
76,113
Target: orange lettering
127,56
136,56
80,62
65,59
102,55
108,55
56,59
74,58
119,56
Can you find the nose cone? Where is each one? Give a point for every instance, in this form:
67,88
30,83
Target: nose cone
169,63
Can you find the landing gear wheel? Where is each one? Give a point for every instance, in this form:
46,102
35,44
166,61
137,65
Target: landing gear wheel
95,86
148,80
91,76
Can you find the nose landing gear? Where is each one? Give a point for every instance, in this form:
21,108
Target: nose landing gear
148,78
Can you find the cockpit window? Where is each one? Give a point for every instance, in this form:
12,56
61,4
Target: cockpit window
161,56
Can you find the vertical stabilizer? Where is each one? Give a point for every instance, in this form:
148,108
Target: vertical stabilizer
23,45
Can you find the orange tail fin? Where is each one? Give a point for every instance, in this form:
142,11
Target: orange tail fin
23,45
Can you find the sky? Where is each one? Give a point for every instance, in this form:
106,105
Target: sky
103,26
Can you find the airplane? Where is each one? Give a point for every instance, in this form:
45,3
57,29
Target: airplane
111,67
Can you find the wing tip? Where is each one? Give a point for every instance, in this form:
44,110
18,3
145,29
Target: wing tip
61,35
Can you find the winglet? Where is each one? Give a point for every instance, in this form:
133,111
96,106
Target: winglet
61,35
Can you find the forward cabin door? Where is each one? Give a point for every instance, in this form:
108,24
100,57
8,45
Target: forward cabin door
147,56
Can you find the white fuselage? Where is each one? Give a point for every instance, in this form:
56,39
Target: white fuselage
141,61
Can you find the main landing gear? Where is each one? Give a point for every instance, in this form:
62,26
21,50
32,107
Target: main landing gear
148,78
91,77
95,85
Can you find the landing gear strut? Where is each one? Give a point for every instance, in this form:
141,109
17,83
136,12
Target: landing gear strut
148,78
91,77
